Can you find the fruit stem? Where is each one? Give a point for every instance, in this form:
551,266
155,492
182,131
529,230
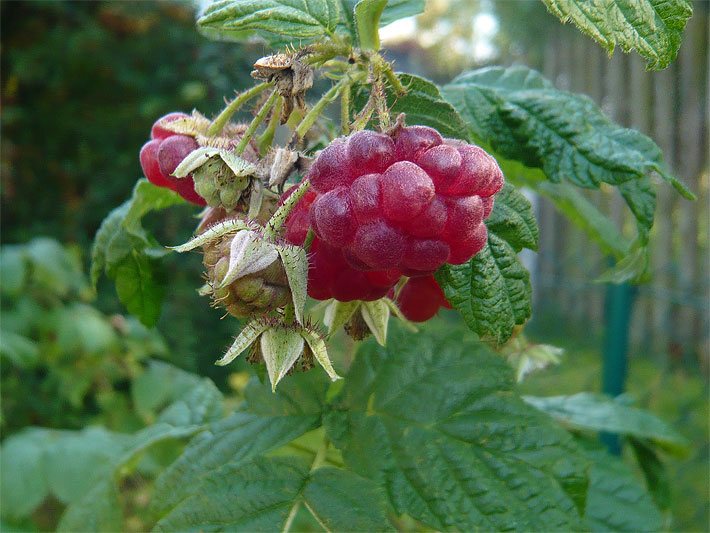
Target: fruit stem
233,106
317,109
276,222
345,110
267,138
258,119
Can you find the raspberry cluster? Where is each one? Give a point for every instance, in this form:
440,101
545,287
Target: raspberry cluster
329,273
161,155
421,298
411,201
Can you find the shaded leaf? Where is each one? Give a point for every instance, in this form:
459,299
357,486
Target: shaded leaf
513,219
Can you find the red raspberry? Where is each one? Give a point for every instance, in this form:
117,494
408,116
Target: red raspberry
158,132
420,299
149,164
160,157
331,274
408,203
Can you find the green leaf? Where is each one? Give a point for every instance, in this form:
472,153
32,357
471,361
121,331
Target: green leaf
23,485
268,421
424,105
492,291
656,475
274,20
110,228
267,491
126,252
616,500
652,27
595,412
162,386
394,10
21,351
513,219
138,289
99,510
523,117
435,419
367,21
343,501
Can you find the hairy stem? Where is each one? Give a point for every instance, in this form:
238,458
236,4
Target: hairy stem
233,106
317,109
276,222
345,110
267,138
255,123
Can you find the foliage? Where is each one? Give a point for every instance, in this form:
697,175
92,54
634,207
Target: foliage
364,452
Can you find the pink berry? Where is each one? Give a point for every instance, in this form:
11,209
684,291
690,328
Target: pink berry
425,254
332,168
370,151
480,174
421,298
379,245
406,191
463,251
334,218
172,151
412,141
429,223
149,163
365,197
158,132
443,164
464,215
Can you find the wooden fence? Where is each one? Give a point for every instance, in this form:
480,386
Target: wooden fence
671,312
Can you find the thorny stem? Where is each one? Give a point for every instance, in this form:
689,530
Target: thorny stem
309,239
233,106
318,460
317,109
276,222
255,123
365,114
267,138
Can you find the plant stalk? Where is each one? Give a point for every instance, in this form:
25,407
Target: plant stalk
254,124
233,106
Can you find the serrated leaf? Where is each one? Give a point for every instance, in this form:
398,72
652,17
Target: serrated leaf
268,421
652,27
513,220
377,316
492,291
280,348
595,412
269,489
367,23
434,418
616,500
523,117
273,20
138,289
146,198
424,105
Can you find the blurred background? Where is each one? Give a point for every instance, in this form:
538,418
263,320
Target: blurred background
82,82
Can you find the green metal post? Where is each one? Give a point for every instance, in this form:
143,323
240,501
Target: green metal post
619,306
